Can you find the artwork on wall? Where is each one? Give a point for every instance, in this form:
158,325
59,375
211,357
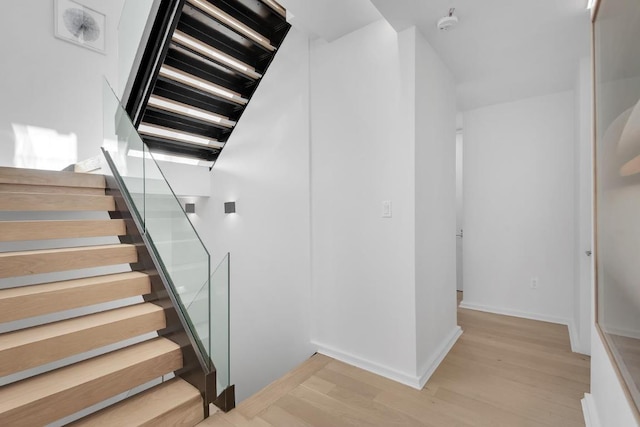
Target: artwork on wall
79,24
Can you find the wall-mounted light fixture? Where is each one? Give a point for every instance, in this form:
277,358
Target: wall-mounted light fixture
190,208
229,207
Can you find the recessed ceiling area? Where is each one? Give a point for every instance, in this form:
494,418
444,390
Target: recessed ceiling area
501,50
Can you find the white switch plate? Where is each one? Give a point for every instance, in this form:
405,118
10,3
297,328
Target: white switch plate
386,209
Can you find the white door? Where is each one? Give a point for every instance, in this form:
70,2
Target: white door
459,211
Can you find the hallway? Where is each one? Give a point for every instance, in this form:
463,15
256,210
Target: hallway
503,371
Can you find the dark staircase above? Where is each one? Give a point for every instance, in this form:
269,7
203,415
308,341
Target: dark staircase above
201,65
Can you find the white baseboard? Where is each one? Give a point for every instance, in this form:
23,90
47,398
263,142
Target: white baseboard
413,381
576,345
589,411
430,367
367,365
515,313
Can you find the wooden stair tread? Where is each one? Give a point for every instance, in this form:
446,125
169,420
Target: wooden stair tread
10,175
36,300
54,395
174,403
49,260
55,202
11,231
31,347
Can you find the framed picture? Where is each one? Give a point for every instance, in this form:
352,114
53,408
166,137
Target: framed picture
79,24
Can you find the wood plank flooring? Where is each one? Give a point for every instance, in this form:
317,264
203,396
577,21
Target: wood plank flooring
503,371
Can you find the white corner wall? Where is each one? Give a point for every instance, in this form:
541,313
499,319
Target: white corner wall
435,201
362,154
383,129
519,197
265,169
50,83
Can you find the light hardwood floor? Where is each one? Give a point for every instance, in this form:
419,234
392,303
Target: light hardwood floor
503,371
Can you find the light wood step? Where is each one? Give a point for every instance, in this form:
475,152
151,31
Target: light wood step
39,345
57,394
49,260
11,231
174,403
26,188
50,178
54,202
36,300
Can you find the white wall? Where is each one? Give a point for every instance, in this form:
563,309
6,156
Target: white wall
187,181
363,154
265,169
519,207
50,83
383,129
435,201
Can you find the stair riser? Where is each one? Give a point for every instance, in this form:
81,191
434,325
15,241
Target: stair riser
69,401
174,403
44,351
188,414
50,178
51,301
54,202
50,189
13,231
26,264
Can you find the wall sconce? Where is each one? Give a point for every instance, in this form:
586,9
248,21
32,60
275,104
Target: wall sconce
229,207
190,208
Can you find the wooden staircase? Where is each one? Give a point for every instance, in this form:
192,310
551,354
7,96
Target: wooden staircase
68,345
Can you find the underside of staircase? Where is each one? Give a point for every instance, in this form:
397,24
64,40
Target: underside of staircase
84,321
199,69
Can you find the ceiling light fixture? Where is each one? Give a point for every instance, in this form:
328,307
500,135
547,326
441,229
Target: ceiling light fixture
448,22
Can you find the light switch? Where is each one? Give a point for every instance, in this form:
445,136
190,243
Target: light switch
386,209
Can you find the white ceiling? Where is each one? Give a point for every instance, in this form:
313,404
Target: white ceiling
330,19
502,50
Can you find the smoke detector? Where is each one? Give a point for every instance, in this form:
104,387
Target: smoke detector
448,22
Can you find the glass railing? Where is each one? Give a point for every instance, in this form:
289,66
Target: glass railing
182,259
215,295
